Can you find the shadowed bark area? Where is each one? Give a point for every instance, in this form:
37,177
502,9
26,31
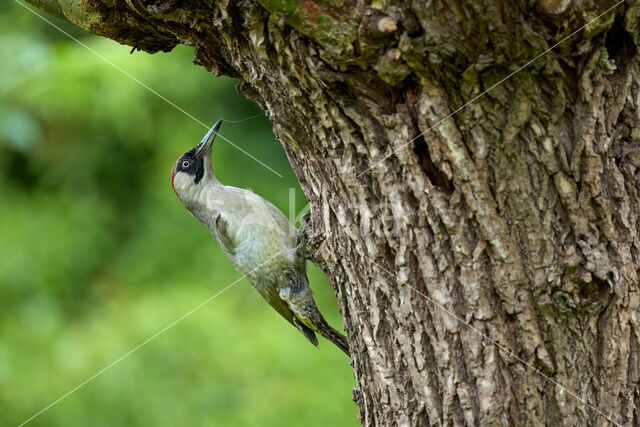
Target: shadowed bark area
519,214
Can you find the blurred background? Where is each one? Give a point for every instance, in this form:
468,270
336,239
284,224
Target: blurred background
97,254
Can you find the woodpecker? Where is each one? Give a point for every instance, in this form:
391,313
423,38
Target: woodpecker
256,237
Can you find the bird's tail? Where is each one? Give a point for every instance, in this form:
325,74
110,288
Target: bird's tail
334,336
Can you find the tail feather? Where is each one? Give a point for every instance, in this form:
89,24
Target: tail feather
326,331
334,336
298,300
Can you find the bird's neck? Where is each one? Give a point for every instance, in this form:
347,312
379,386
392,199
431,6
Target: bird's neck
203,204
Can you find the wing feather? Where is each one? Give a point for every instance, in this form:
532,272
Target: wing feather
222,235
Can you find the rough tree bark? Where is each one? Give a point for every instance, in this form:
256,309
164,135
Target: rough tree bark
519,214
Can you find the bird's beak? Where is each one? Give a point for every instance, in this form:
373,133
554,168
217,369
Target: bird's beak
205,145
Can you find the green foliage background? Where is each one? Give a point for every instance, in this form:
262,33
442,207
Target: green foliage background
97,254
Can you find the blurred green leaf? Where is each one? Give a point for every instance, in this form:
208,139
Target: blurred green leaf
18,130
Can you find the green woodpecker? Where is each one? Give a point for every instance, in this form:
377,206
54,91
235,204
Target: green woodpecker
256,237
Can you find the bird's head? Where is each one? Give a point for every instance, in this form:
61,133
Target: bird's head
192,170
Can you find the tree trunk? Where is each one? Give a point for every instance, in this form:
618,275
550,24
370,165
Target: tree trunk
487,272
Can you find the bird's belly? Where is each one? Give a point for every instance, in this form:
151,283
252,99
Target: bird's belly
263,259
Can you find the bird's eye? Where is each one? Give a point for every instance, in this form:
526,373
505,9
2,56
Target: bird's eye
185,164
